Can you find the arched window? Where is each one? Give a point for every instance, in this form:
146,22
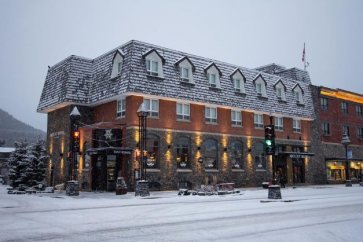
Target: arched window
182,149
260,158
210,154
236,154
152,148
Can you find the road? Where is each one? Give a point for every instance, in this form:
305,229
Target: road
320,213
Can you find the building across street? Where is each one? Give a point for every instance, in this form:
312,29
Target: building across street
142,111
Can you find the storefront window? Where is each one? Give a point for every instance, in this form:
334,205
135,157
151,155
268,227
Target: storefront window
152,148
335,171
183,152
260,159
236,155
210,154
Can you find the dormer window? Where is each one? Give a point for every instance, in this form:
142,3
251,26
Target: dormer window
280,89
117,63
260,85
298,93
154,63
186,69
213,75
238,81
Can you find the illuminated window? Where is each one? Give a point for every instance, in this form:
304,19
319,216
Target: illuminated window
236,154
210,154
260,159
183,152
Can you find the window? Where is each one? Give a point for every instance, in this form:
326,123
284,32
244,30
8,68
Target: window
186,69
280,91
152,151
360,132
258,120
238,81
260,86
210,154
211,115
183,111
152,106
279,123
260,159
152,67
213,75
212,80
238,85
358,110
325,128
344,107
346,130
121,108
119,67
183,152
298,92
236,118
184,73
324,103
296,125
117,64
236,154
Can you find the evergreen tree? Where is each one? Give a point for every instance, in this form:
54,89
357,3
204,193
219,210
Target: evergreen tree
17,164
27,164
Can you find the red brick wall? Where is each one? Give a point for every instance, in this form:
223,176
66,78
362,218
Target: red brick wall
167,120
336,118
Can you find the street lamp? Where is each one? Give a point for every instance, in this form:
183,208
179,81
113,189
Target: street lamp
346,142
142,112
74,115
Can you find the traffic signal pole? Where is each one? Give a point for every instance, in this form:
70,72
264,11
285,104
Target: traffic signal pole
273,155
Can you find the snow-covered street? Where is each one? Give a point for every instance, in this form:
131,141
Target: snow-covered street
313,213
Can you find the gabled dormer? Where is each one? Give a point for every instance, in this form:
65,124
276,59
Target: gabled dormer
154,63
186,69
238,80
298,93
260,85
117,62
213,75
280,90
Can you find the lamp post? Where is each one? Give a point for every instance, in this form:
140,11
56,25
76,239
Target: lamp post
74,115
346,142
142,112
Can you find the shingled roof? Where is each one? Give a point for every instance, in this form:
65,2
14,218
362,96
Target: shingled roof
83,81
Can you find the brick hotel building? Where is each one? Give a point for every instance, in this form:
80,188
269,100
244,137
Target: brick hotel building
205,119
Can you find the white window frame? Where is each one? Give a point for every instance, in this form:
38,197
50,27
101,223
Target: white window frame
117,62
183,71
279,123
258,120
296,125
212,81
152,107
236,118
209,117
298,95
213,71
121,108
149,67
185,111
260,86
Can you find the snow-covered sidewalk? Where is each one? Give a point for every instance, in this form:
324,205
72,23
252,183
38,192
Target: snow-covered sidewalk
311,213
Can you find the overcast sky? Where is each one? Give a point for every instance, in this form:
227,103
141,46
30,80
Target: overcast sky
35,34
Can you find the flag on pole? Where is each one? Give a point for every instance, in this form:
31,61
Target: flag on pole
303,55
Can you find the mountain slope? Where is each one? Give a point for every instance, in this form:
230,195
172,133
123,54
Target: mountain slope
12,130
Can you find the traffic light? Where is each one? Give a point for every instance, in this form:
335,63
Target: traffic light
269,139
76,135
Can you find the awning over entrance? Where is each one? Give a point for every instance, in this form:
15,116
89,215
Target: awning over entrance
296,155
109,151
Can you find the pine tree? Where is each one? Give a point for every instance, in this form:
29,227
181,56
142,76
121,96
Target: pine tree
27,164
17,164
